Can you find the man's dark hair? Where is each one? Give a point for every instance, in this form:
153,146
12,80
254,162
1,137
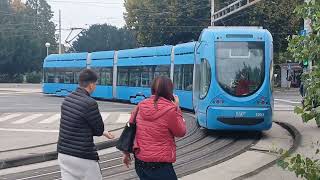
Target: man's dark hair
86,77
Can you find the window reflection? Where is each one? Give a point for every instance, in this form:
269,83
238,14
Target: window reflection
240,66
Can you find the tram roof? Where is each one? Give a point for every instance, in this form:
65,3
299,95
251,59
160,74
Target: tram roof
67,57
145,52
184,48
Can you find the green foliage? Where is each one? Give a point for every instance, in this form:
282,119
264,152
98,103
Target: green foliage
175,21
24,30
303,167
34,77
167,21
274,15
104,37
11,78
308,47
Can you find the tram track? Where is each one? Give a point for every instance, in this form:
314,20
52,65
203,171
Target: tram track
197,150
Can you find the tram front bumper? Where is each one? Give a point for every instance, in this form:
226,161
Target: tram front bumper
239,118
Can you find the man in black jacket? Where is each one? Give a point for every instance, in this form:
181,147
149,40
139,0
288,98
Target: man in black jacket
80,121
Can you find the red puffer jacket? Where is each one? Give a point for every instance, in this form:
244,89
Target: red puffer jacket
156,129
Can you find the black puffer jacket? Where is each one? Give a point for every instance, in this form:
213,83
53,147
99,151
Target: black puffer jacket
80,121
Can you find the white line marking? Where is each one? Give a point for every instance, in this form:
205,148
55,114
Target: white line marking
123,118
283,109
29,130
283,105
10,116
51,119
105,116
27,119
287,101
32,177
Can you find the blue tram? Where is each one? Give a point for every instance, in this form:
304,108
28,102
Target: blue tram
225,77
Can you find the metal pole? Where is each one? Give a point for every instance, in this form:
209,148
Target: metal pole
212,12
60,50
47,51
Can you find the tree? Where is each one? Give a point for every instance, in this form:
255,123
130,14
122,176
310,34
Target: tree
167,21
25,28
104,37
275,15
307,48
44,29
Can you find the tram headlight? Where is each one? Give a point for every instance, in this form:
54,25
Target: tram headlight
262,101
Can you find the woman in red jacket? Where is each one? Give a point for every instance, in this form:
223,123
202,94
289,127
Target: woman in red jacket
159,120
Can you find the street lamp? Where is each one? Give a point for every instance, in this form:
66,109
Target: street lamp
47,45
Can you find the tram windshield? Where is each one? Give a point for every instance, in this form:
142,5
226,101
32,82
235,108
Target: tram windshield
240,67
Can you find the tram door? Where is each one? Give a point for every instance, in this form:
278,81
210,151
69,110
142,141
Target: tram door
202,81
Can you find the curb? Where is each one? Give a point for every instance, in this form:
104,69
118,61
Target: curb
48,156
296,142
38,158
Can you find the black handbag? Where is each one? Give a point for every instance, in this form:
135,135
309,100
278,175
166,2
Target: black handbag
126,140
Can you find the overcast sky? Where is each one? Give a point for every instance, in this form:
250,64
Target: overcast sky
82,13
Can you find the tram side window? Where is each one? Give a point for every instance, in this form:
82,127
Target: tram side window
162,70
178,77
134,77
146,76
183,77
141,76
106,76
65,76
98,71
59,77
49,75
205,78
188,77
68,77
76,75
123,79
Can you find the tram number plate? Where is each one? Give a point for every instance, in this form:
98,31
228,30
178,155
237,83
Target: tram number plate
240,114
259,114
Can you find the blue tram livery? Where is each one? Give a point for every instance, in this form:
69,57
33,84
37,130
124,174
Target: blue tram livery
225,77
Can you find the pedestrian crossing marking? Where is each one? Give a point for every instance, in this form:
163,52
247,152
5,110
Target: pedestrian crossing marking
51,119
105,116
283,107
44,118
27,119
16,93
288,101
9,116
123,118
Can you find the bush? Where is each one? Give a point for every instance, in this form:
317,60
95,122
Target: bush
308,48
34,77
7,78
303,167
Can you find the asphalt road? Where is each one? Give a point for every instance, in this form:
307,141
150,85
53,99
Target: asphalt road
197,150
28,118
31,118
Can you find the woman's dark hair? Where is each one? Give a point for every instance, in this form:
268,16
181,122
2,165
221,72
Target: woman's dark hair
162,87
86,77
